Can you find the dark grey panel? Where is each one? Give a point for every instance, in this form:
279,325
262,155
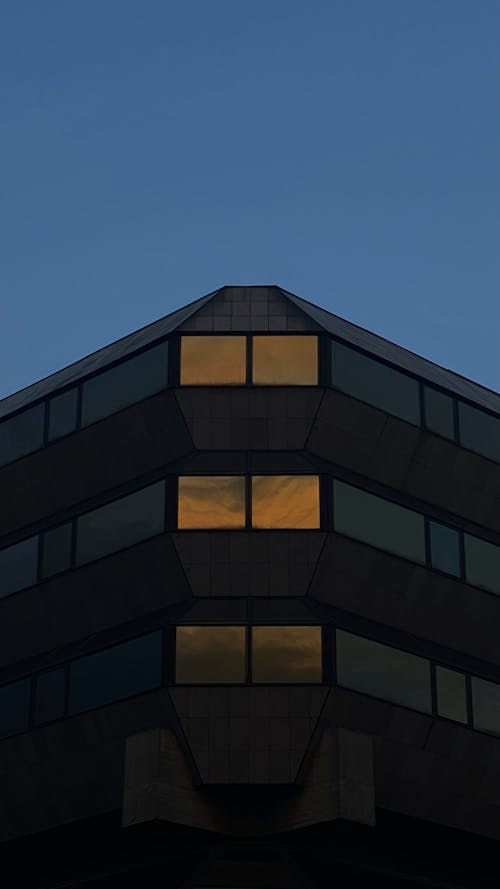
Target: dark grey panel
121,523
258,309
479,431
451,694
384,672
486,705
18,566
50,695
125,384
439,412
119,672
444,548
482,563
14,707
375,382
22,434
378,522
56,554
63,413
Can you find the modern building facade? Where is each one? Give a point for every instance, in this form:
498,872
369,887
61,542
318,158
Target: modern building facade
250,610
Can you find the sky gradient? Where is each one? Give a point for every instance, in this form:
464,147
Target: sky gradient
151,152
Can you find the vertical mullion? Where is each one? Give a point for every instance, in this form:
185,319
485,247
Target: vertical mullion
456,420
31,711
427,542
79,403
421,399
67,680
41,547
461,554
46,423
248,501
72,558
333,640
468,692
248,655
249,359
433,679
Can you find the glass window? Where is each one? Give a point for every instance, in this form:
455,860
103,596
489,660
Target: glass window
210,654
285,360
482,563
62,414
486,705
439,412
374,382
213,360
451,694
116,673
384,672
479,431
211,501
445,548
18,566
125,384
285,501
121,523
22,434
379,522
56,550
14,707
286,654
49,695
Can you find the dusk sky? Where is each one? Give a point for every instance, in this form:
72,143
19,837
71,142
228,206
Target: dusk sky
152,151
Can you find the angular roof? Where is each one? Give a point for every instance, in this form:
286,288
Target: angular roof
259,309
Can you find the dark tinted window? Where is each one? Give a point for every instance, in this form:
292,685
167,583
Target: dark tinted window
479,431
482,563
210,654
62,414
213,360
211,501
18,566
286,654
49,695
14,707
22,434
451,694
124,384
285,501
486,705
372,381
379,522
121,523
119,672
285,360
56,550
439,412
382,671
445,548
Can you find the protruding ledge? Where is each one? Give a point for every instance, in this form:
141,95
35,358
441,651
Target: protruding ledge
336,782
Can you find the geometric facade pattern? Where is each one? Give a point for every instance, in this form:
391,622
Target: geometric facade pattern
249,602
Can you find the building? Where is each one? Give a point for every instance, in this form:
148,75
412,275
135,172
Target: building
250,613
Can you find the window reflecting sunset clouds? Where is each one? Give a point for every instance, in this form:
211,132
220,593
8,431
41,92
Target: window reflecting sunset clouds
285,360
210,654
285,501
215,501
286,654
212,360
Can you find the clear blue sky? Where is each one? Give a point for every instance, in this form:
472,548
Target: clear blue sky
154,150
